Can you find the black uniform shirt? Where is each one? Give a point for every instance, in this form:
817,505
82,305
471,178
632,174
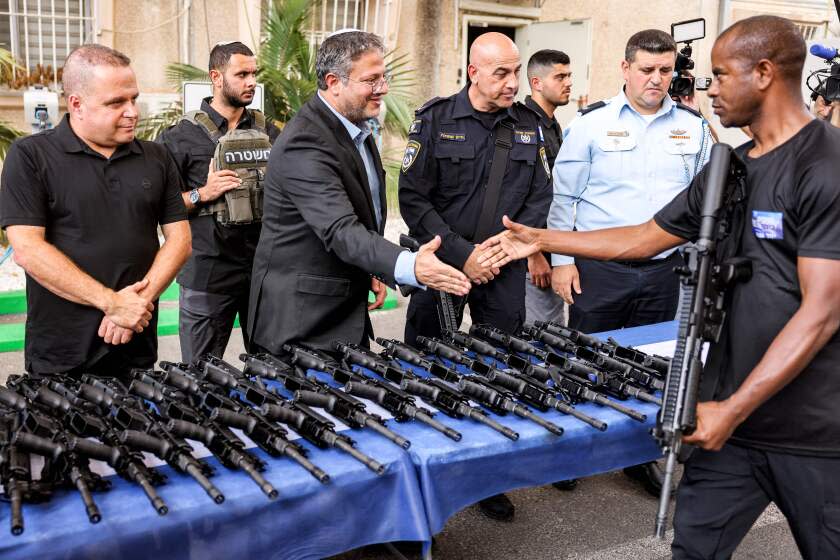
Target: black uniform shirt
446,167
792,210
222,255
102,213
552,133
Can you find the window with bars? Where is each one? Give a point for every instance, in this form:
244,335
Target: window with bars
327,16
41,33
811,31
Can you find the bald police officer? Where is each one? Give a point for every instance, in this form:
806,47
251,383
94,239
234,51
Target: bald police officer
471,158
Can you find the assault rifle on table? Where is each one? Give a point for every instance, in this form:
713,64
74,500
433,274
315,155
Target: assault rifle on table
70,468
143,429
310,425
84,410
191,416
611,347
704,282
313,392
495,398
560,365
15,467
527,389
433,391
610,381
638,375
396,401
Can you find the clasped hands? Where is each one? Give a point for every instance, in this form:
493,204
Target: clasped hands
128,311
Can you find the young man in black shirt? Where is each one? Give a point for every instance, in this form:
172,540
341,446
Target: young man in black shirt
81,205
215,282
550,79
772,432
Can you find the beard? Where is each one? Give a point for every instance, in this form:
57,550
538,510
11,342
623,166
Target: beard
232,98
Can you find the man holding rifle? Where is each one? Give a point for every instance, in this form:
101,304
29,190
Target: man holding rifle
771,432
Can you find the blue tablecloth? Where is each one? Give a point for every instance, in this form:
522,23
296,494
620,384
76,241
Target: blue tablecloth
421,489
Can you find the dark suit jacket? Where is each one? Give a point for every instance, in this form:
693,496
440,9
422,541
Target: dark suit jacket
319,244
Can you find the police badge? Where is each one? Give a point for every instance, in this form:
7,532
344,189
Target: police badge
543,159
410,155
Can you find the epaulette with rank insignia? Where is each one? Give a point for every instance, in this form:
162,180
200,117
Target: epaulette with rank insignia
592,107
429,103
694,112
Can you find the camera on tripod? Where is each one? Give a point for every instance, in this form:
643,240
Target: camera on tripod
683,83
826,81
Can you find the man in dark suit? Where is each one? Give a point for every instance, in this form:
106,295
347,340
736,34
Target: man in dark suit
321,247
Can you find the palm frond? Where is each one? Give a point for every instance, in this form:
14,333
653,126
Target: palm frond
150,127
177,73
8,134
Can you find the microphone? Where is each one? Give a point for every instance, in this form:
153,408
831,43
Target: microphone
826,53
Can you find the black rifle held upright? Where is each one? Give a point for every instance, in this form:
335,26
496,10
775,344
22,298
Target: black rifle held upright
703,282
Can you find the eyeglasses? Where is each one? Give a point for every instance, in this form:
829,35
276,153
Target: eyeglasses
375,84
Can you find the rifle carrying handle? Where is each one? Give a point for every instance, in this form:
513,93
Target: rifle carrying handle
311,398
281,414
365,391
144,442
417,387
94,450
180,381
37,444
96,396
507,381
233,419
143,390
12,399
190,430
476,391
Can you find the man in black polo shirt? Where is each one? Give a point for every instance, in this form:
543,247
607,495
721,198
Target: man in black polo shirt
81,205
550,79
772,432
216,279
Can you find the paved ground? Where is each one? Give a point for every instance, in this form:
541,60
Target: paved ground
607,517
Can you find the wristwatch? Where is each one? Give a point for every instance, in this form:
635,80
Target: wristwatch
195,198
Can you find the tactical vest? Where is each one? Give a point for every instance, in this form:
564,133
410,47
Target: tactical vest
246,152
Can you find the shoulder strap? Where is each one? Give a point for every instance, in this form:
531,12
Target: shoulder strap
592,107
694,112
504,142
259,119
203,120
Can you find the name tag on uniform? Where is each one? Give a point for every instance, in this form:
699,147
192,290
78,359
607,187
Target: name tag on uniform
524,136
768,225
616,141
453,136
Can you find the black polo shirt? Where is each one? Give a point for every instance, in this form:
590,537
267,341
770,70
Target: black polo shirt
792,210
446,167
552,132
103,213
222,255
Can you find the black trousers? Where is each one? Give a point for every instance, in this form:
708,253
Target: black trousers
722,494
206,320
617,295
500,303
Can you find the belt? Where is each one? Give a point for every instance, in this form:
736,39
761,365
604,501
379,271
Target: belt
649,263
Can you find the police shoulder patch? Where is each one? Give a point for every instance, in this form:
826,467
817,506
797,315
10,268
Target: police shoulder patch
544,161
410,155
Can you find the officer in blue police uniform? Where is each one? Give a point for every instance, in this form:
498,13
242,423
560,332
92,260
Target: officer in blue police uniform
621,161
472,158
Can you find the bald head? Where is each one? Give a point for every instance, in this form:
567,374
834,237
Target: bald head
80,64
770,38
493,48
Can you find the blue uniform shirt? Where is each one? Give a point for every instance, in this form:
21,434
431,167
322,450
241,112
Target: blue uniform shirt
617,167
404,269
